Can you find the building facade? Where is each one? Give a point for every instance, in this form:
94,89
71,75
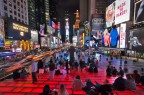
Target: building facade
15,9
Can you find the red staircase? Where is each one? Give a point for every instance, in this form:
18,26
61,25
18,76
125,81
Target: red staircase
25,86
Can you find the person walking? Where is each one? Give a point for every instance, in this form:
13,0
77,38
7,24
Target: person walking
51,70
34,70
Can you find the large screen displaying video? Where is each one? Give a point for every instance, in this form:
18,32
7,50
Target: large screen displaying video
136,41
110,38
139,12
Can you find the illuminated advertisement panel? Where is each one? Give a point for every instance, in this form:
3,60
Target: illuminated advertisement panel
110,15
139,12
1,32
42,28
122,35
122,11
44,42
110,38
136,40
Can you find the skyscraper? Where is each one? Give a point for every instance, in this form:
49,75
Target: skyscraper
15,9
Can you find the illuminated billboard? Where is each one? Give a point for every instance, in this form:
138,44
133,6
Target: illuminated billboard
139,12
135,40
2,37
110,15
122,11
122,35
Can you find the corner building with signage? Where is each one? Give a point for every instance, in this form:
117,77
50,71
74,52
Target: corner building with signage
15,15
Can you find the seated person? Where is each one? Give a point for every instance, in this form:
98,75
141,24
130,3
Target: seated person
16,74
23,73
106,88
114,72
88,85
108,71
77,84
136,76
46,90
130,83
120,83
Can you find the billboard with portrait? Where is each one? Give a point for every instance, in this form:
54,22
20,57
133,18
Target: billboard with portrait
110,15
139,12
2,33
110,38
122,11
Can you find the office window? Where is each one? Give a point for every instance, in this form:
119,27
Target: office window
18,3
5,8
10,10
14,1
21,6
22,16
15,13
14,6
5,14
10,16
10,4
15,18
19,14
5,1
18,9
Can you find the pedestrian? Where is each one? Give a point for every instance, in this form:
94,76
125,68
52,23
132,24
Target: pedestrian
34,70
51,70
67,66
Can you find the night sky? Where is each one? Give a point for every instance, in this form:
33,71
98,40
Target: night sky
63,9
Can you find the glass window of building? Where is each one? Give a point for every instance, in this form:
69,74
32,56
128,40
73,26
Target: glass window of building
14,1
18,9
14,6
22,16
10,16
19,14
10,4
5,14
10,10
18,3
5,7
5,1
15,13
15,18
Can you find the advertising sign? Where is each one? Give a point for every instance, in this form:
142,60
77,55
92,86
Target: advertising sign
44,42
139,12
110,38
122,35
1,33
34,35
42,28
136,41
110,15
97,24
122,11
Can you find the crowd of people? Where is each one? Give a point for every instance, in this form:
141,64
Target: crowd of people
59,64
